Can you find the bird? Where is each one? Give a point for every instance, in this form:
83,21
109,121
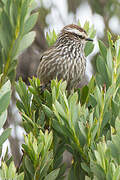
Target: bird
65,59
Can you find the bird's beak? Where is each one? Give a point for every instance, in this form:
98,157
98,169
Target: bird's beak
89,39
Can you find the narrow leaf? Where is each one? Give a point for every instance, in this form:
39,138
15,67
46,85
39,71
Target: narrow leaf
5,135
30,22
52,175
103,49
5,94
3,117
26,42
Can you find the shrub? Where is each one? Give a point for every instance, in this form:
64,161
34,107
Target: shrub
86,122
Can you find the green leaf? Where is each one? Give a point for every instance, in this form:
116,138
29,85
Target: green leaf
57,127
103,49
51,37
74,116
110,39
6,34
60,109
13,65
47,111
20,176
3,117
105,120
71,174
82,134
25,97
52,175
117,47
98,95
87,178
92,32
24,11
115,108
48,98
29,166
26,42
116,175
88,48
109,93
114,147
98,171
73,99
62,130
5,135
86,26
85,167
31,21
13,8
101,67
92,101
99,79
94,130
109,62
117,126
11,170
5,95
84,94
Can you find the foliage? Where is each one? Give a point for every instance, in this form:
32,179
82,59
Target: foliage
5,94
38,157
106,164
16,21
15,24
10,172
84,122
5,171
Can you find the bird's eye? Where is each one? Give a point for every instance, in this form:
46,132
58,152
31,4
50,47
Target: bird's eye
81,37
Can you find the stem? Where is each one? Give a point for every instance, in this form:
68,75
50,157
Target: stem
115,70
80,149
101,116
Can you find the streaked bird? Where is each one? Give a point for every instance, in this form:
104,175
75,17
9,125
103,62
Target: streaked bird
65,59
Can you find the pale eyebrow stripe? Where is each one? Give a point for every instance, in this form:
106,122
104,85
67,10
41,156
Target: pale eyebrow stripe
74,31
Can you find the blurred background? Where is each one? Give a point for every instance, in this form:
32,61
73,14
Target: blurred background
54,14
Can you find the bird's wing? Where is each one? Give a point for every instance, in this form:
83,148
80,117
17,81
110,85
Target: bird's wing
52,65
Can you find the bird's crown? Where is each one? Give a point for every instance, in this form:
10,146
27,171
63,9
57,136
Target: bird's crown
76,30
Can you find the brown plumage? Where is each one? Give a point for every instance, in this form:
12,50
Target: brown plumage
65,59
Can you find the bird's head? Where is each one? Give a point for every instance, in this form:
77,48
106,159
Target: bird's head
76,32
